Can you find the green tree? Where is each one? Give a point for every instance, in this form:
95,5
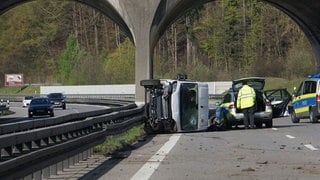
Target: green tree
119,66
27,35
69,59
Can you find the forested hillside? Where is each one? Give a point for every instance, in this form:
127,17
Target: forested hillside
69,43
234,38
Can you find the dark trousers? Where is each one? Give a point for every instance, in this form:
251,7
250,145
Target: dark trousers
249,115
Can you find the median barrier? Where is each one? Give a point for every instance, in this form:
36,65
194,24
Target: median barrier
31,147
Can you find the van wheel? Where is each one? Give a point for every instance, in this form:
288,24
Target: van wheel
294,118
174,127
153,126
312,117
148,129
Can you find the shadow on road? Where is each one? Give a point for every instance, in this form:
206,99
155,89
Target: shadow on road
115,158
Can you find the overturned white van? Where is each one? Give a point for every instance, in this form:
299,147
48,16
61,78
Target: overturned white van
179,105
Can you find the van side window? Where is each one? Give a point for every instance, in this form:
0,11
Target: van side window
309,87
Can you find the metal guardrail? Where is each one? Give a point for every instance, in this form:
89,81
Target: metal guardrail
39,123
117,97
29,147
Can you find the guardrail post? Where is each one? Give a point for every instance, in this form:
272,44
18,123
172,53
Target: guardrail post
29,177
90,152
53,169
85,155
81,156
60,166
37,175
45,173
76,158
65,164
71,161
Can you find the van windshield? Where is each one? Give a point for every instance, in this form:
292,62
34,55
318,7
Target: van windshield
189,106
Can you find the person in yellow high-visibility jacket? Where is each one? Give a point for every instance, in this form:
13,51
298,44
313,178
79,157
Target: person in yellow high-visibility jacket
246,103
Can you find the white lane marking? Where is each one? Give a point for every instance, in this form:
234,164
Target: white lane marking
290,137
75,110
309,146
146,171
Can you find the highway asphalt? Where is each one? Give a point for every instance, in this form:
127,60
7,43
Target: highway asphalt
21,113
286,151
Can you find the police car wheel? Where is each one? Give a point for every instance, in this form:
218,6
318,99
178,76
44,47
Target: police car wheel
312,117
258,124
269,123
294,118
227,124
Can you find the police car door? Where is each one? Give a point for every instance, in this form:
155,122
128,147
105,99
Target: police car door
304,99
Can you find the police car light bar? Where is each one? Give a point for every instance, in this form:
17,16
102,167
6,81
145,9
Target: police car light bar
315,75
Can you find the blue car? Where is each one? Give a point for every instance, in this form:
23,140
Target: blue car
40,106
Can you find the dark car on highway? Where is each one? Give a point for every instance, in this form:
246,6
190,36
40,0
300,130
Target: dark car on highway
40,106
57,100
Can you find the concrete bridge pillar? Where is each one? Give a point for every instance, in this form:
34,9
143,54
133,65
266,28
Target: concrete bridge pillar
138,15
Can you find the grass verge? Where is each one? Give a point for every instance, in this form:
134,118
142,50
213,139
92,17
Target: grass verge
32,89
6,112
113,143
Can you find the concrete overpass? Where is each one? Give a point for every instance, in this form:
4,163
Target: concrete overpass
144,21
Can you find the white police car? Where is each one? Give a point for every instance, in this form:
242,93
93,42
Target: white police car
306,100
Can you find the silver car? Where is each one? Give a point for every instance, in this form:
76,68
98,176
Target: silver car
228,115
